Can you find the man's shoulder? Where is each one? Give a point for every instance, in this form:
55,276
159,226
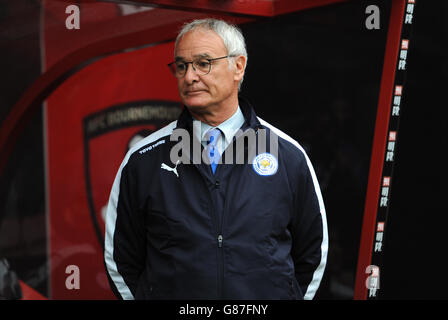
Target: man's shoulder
152,141
287,144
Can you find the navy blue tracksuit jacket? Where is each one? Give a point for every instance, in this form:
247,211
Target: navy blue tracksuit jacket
241,233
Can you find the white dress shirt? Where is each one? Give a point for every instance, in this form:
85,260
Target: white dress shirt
228,129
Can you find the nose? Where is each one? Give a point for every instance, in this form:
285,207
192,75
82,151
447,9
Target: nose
191,75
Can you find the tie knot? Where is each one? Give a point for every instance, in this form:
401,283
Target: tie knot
212,136
213,152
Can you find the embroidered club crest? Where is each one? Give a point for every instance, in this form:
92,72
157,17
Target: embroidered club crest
265,164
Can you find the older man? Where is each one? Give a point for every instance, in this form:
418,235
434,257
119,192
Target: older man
215,229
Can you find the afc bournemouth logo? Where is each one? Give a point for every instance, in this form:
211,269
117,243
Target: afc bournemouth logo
108,135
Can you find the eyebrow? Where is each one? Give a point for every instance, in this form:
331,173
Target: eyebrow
201,55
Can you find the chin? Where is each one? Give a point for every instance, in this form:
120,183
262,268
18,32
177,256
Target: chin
195,103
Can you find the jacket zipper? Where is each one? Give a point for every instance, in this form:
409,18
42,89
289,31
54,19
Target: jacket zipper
220,243
220,239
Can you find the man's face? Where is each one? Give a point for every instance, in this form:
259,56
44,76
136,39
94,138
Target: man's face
213,89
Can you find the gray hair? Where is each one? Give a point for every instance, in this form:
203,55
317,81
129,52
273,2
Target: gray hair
230,34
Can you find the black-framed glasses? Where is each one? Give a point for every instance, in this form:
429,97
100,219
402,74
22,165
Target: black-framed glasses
201,66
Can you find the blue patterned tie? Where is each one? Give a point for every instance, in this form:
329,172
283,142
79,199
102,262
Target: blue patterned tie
212,149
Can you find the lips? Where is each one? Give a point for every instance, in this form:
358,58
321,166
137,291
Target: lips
192,92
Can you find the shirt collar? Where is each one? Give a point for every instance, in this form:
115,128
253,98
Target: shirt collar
228,127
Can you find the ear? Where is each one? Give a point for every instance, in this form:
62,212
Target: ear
240,64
